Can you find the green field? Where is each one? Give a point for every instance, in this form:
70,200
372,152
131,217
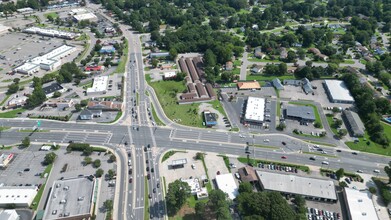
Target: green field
317,116
53,14
121,66
12,113
186,114
331,124
372,147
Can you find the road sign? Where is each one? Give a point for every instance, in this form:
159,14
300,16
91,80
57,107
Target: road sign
38,123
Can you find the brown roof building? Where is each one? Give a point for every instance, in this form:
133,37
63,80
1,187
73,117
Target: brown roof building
248,85
201,90
191,88
210,90
105,105
247,174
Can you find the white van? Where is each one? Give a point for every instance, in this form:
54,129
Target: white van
129,162
376,171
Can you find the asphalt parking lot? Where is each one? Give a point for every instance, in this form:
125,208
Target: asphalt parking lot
15,173
173,174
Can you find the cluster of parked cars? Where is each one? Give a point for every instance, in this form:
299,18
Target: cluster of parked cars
227,123
315,214
278,167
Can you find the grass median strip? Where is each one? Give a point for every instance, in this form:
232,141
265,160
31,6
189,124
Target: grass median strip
157,119
38,197
12,113
320,143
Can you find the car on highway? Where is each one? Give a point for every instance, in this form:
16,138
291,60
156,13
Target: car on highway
154,190
147,169
129,154
354,153
339,151
126,143
283,143
149,146
150,196
148,176
130,171
130,180
266,140
146,161
152,170
193,166
376,171
360,171
26,170
145,149
325,162
283,157
312,158
158,185
129,162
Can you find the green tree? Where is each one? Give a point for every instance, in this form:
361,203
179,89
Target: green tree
372,190
200,209
219,204
317,124
12,88
111,174
25,142
199,156
78,107
340,173
154,62
281,127
56,94
343,184
176,196
209,58
342,132
88,151
387,170
87,160
173,53
108,204
245,187
50,18
96,163
99,172
49,158
112,158
16,80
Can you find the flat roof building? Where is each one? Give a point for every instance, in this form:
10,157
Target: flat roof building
20,196
248,85
338,92
52,88
9,214
178,163
99,85
71,199
310,188
255,110
299,112
359,205
86,16
226,183
353,123
5,159
51,33
210,119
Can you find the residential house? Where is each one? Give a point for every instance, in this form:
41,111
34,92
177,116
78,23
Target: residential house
363,50
283,53
17,101
90,114
277,84
379,51
256,69
229,66
258,53
317,53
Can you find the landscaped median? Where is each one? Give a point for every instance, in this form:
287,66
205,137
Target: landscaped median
255,162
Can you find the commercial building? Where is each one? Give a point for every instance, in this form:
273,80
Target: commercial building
5,159
86,16
60,103
87,114
307,86
310,188
20,196
71,199
17,101
48,62
338,92
210,119
299,112
25,10
255,110
169,75
359,205
180,163
99,86
353,123
248,85
51,33
105,105
9,214
107,49
247,174
226,183
52,88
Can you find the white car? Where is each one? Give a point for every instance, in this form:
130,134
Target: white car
232,165
325,162
237,175
193,166
266,140
129,162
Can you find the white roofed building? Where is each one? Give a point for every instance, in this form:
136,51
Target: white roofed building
255,110
99,86
226,183
86,16
359,205
9,214
51,33
20,196
338,92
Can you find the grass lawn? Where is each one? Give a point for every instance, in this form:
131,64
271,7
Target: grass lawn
255,162
186,114
307,135
372,147
53,14
261,77
157,119
254,59
12,113
348,61
317,116
238,62
331,123
124,58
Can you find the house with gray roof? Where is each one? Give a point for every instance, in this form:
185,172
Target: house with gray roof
87,114
299,112
277,84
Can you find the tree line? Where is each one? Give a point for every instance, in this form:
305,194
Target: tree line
370,108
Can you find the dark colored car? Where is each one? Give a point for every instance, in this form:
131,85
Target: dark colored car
154,190
130,180
152,170
158,185
150,196
147,169
26,170
354,153
339,151
130,171
148,176
283,143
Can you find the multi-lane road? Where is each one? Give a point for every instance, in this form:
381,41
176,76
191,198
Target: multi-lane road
136,133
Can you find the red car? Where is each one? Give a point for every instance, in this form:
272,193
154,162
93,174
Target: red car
283,157
130,180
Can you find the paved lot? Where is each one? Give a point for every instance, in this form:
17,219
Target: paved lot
173,174
214,164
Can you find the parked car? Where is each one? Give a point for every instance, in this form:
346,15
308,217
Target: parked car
130,180
237,175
